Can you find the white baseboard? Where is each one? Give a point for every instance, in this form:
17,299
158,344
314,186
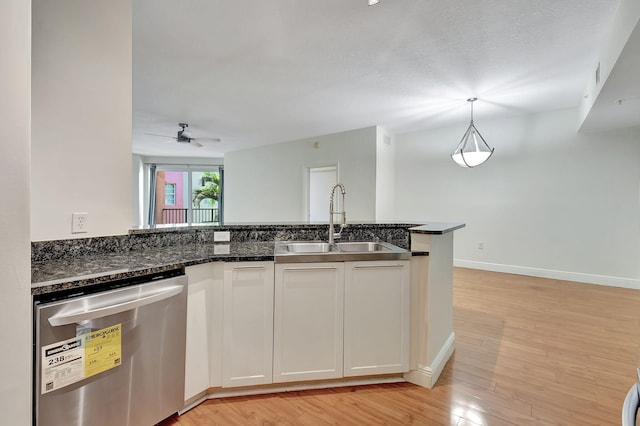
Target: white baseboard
192,404
427,375
550,273
290,387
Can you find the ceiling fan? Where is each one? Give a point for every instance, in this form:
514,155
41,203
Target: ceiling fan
184,136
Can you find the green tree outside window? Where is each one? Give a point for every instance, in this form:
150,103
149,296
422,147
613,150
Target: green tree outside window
209,189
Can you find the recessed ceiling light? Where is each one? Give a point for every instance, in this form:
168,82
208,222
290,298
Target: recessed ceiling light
372,2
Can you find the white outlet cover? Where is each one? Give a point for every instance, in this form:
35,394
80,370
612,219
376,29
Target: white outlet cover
221,249
79,222
222,236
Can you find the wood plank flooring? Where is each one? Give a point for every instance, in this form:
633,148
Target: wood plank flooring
529,351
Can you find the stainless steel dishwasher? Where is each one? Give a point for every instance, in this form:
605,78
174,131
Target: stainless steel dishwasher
113,357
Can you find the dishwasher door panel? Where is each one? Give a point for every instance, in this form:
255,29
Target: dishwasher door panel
147,386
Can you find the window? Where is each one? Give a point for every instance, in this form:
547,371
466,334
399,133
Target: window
170,194
183,194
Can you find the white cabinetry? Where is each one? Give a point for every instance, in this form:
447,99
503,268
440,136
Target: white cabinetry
253,323
308,321
203,353
247,324
376,321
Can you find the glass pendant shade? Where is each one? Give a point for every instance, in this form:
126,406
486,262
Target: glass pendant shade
472,149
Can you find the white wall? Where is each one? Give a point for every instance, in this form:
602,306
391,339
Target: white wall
549,202
15,277
624,23
81,117
267,184
385,175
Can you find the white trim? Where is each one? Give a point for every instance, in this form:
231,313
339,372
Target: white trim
427,376
231,392
632,283
193,404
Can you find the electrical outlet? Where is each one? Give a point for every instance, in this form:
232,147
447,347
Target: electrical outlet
222,236
221,249
79,222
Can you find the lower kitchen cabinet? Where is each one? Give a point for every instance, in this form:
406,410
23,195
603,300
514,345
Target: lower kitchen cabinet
255,323
376,321
203,353
308,321
247,347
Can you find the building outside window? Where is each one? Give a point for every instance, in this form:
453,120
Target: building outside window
170,194
186,195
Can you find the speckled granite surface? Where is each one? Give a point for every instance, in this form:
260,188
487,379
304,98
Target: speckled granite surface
66,264
66,273
169,237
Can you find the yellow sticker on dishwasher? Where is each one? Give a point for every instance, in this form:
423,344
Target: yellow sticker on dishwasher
102,350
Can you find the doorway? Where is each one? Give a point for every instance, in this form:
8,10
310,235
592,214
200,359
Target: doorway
321,180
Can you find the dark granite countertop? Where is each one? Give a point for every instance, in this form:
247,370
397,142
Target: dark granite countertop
62,274
437,228
180,227
69,264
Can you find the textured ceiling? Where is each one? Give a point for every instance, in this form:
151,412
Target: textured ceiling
258,72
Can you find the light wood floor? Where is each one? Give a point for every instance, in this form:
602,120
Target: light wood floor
529,351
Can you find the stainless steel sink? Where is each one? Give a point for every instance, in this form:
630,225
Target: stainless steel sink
309,247
347,251
366,247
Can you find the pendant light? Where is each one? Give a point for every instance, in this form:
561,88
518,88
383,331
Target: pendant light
472,149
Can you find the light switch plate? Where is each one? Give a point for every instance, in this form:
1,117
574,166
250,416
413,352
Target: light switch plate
222,236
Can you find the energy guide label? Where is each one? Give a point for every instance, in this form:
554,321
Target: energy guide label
62,364
69,361
102,350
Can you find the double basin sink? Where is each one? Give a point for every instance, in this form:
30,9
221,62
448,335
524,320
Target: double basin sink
320,251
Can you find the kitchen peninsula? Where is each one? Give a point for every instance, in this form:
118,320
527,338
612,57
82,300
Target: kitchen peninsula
212,267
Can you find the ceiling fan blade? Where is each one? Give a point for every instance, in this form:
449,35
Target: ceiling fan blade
194,143
208,139
162,136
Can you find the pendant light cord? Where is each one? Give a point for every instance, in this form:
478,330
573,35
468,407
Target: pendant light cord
472,100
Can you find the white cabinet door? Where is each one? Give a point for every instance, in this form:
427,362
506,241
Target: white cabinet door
308,321
248,324
203,352
376,322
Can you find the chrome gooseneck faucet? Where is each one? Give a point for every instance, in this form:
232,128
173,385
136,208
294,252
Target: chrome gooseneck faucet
343,222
